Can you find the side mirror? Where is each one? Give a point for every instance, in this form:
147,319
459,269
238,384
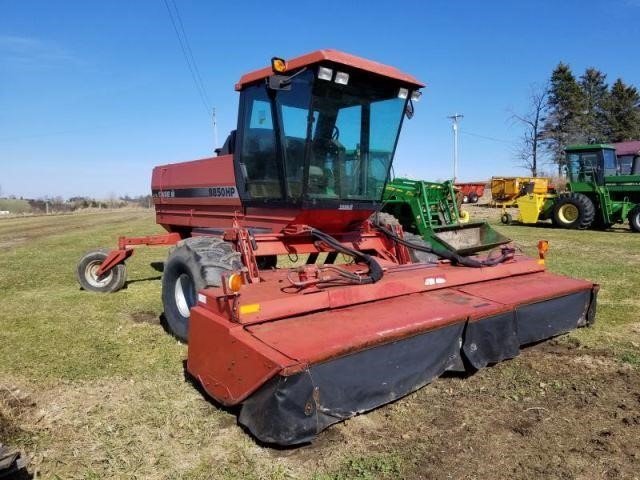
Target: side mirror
279,82
282,82
409,110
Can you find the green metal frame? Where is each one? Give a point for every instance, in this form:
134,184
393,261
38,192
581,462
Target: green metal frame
430,210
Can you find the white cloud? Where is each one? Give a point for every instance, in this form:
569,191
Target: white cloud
33,52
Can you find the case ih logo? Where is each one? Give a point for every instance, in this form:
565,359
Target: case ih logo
165,194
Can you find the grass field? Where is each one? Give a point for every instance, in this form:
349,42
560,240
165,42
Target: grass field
91,386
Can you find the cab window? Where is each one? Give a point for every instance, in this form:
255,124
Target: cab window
258,159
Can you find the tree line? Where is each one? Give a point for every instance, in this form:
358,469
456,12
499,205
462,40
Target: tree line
58,204
570,110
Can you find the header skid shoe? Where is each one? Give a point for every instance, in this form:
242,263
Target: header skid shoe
297,363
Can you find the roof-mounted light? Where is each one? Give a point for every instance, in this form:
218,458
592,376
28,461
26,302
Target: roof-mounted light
403,93
325,73
415,95
342,78
278,65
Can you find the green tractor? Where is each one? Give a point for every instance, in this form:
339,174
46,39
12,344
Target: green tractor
432,211
600,191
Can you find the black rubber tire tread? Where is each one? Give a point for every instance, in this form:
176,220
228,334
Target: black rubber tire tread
204,260
506,218
634,218
586,210
417,256
385,218
473,197
118,273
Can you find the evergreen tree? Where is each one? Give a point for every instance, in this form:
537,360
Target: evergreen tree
622,112
566,104
595,95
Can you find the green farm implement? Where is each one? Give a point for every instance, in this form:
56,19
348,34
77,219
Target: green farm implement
432,211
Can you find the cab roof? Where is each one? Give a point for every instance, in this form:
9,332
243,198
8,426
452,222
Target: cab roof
333,56
588,146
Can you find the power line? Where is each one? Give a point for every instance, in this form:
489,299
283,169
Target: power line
193,60
188,55
493,139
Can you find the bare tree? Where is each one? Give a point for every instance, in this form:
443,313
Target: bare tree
528,152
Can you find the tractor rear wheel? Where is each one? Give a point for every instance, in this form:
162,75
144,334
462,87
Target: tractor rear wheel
194,264
573,210
89,280
634,218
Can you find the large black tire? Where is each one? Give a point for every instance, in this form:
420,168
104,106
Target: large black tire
473,197
417,256
574,211
88,279
194,264
634,218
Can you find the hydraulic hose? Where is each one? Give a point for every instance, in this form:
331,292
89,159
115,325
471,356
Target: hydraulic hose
375,270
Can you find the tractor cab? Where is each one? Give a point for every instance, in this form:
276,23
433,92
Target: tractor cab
591,163
319,132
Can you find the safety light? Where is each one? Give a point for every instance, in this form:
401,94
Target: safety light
403,93
415,95
342,78
325,73
543,248
234,282
278,65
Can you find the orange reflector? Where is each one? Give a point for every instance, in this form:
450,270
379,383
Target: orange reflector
250,308
543,248
234,282
278,65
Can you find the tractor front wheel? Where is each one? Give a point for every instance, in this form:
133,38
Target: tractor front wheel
89,280
195,263
419,256
634,218
573,210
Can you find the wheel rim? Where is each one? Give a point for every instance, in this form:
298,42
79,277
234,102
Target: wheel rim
568,213
184,295
92,277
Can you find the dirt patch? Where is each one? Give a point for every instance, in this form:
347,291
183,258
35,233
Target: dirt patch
145,317
15,407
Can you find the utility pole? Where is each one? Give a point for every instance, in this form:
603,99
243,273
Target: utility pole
455,118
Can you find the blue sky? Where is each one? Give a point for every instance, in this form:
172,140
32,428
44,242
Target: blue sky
94,94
